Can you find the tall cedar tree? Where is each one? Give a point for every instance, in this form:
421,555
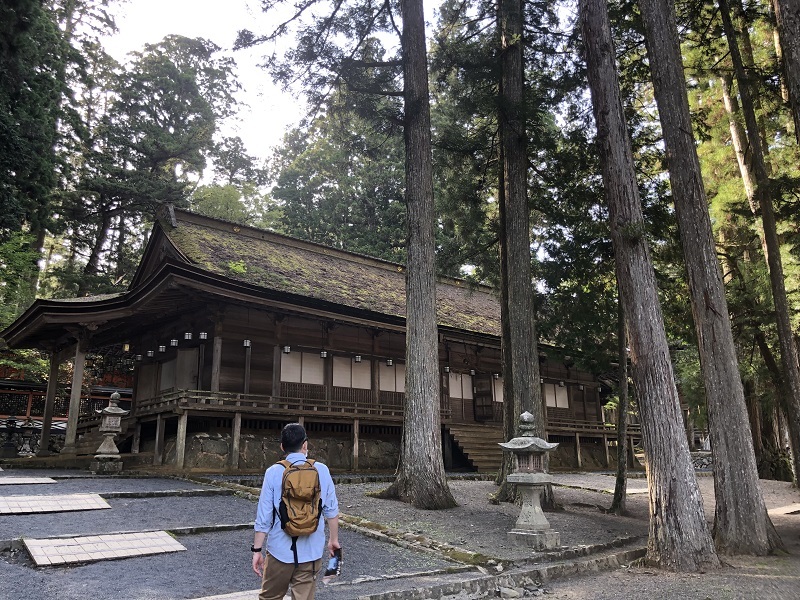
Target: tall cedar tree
421,479
764,194
520,355
679,538
741,524
322,65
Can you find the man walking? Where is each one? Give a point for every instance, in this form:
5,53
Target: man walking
292,560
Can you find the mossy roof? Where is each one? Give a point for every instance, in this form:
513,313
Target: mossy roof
287,265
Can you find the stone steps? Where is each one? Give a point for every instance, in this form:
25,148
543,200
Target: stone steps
480,444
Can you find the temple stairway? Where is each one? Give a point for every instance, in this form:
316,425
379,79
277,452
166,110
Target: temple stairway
479,444
89,440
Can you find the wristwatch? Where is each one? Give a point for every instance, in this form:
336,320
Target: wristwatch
254,549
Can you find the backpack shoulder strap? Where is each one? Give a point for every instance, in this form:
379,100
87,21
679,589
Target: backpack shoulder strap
286,464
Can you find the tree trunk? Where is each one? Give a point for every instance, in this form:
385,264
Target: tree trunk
741,524
511,407
621,485
764,193
787,15
679,538
421,479
524,355
93,262
521,357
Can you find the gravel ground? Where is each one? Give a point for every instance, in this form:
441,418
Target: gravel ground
482,527
742,578
214,563
218,563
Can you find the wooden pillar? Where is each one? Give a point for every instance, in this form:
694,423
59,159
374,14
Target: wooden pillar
578,449
327,374
216,363
276,371
376,371
158,453
137,439
605,448
74,402
248,354
49,405
201,363
180,441
356,426
233,458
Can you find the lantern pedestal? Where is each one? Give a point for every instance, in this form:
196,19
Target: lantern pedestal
532,530
106,465
26,431
531,478
107,460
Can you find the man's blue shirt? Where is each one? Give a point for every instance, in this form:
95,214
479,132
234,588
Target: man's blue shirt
279,544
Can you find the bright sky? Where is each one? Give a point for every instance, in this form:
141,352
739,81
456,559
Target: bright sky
269,111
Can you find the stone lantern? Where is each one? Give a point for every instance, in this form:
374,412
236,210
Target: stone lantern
107,459
530,453
26,432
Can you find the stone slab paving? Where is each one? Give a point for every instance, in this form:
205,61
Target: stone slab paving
23,505
791,509
61,551
6,480
598,482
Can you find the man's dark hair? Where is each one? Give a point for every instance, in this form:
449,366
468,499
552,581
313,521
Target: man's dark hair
292,437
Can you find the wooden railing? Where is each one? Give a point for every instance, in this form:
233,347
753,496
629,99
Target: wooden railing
573,425
342,402
257,403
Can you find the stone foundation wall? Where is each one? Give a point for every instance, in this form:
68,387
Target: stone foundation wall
55,445
702,461
212,451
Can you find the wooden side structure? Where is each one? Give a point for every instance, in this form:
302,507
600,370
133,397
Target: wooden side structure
248,329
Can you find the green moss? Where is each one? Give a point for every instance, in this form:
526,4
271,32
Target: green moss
283,266
237,267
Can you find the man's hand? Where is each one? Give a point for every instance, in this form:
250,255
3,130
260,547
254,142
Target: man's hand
258,563
333,534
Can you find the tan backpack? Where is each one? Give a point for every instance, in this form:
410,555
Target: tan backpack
301,500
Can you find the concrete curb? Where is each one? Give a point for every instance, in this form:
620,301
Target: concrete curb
167,493
482,586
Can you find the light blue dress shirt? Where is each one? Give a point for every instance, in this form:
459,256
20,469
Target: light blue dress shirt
279,544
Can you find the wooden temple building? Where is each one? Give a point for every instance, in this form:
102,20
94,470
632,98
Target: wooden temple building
231,330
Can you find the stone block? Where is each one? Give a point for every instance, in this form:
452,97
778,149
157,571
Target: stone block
535,540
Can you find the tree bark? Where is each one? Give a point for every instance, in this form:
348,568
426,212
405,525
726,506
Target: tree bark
787,15
679,538
93,263
520,354
523,346
618,504
511,407
763,194
421,479
741,524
